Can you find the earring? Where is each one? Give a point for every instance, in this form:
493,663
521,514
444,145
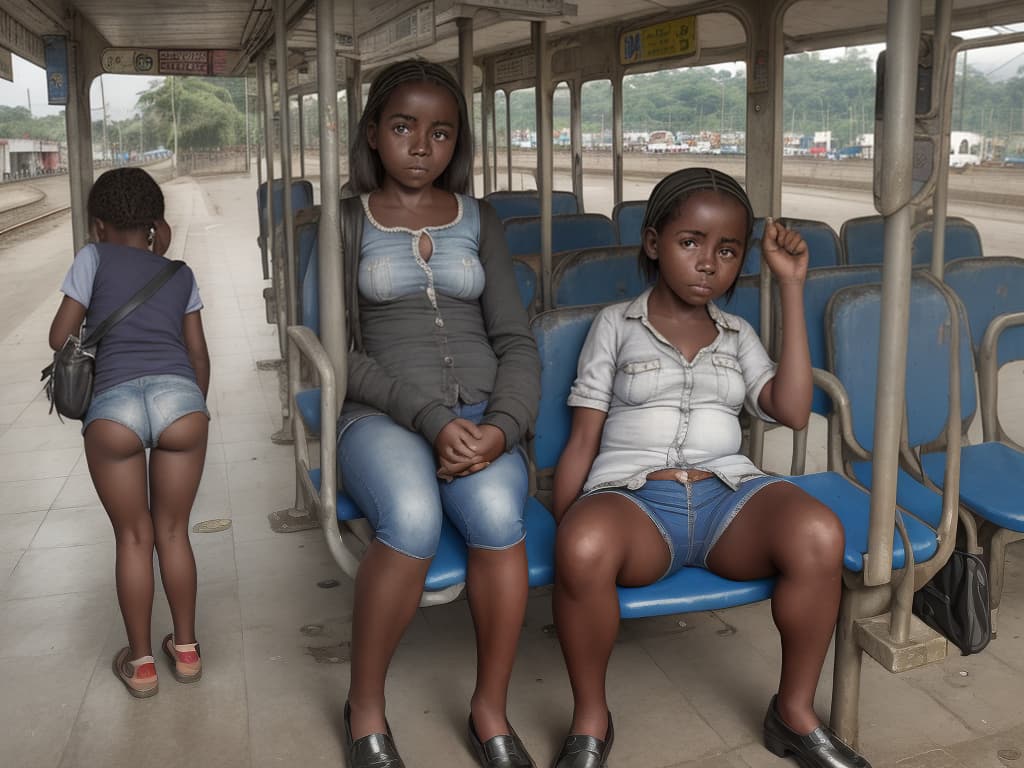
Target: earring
151,236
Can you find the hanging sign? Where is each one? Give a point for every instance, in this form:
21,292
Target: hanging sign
667,39
129,61
55,50
170,61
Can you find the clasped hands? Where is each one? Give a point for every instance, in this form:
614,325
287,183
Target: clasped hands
463,448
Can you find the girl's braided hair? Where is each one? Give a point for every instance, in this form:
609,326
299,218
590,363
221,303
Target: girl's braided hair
126,199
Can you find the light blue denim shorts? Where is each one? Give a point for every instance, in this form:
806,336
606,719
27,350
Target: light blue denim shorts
692,516
391,475
147,405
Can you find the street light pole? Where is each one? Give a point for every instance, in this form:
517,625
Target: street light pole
174,123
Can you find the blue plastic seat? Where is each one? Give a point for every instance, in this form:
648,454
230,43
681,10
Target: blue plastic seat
962,241
511,204
989,287
597,276
301,197
568,233
752,263
822,241
746,301
526,281
628,217
862,240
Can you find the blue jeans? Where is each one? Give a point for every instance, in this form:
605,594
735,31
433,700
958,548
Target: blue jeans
391,475
147,405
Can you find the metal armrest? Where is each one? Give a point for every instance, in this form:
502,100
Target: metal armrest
305,342
988,377
841,406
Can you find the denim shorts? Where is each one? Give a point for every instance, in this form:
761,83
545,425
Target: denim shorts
692,516
147,405
391,474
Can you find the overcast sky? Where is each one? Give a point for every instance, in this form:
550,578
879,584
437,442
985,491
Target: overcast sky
122,91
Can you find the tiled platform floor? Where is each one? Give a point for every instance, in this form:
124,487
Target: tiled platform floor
685,690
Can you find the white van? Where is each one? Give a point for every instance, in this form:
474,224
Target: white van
964,149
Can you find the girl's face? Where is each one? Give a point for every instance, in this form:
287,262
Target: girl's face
700,248
416,135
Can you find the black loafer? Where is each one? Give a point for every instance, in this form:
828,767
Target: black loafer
505,751
377,750
586,751
820,748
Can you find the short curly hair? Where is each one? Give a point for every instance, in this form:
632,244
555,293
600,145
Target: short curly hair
126,198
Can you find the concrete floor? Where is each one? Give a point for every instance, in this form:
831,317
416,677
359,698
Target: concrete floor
685,690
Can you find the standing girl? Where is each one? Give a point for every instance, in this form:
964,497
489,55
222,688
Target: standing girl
443,383
151,378
654,449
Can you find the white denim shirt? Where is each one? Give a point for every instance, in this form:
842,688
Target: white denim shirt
665,412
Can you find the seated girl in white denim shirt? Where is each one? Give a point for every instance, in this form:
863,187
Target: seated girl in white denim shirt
654,449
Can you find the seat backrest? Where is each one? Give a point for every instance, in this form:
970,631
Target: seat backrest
746,301
821,284
307,228
628,217
309,301
853,321
597,276
526,280
571,232
512,204
862,240
962,241
560,334
752,263
822,241
301,197
990,287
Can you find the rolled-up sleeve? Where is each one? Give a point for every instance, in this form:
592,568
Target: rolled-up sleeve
595,371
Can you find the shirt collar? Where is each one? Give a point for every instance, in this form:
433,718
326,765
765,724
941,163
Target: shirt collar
637,309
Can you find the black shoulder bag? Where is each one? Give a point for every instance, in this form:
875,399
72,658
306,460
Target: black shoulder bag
69,377
956,602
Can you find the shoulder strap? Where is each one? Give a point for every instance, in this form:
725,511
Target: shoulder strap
140,297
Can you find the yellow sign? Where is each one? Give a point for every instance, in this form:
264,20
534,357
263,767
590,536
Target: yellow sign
668,39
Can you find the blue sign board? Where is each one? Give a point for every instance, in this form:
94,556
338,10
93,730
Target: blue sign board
55,50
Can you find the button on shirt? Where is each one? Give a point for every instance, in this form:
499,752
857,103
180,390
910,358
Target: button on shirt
663,411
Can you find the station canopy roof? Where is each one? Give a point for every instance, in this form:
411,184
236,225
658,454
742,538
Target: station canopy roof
376,31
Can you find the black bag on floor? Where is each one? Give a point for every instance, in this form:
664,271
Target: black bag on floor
956,602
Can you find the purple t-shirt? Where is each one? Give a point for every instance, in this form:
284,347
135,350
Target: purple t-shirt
149,341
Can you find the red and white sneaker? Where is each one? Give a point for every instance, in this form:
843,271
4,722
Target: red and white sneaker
138,676
186,666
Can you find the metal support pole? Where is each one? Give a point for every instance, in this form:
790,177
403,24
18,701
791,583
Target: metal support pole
944,73
466,76
576,139
508,138
487,132
617,137
72,121
545,171
286,293
332,297
903,32
263,67
302,138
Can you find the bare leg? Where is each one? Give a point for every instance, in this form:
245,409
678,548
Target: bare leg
782,530
175,468
497,585
117,463
602,540
388,589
